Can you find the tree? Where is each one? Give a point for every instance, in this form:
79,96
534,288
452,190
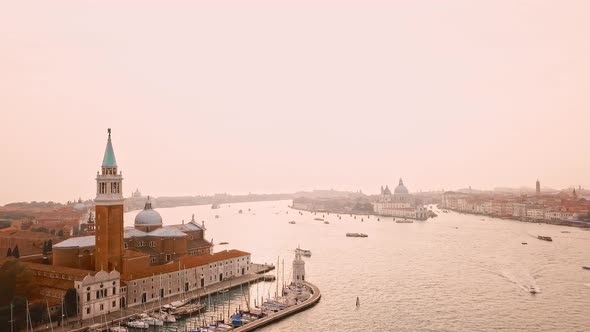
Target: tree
53,231
60,233
45,251
9,253
50,245
15,252
70,302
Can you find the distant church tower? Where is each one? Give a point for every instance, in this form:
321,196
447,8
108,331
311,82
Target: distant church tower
109,213
298,270
538,187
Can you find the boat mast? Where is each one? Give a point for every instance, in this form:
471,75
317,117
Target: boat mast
48,314
277,292
11,319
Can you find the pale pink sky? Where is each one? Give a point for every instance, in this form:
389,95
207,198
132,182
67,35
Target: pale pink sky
220,96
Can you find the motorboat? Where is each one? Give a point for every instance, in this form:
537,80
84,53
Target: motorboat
117,329
532,290
545,238
356,235
151,320
292,222
326,222
523,243
223,243
164,316
138,324
318,219
586,267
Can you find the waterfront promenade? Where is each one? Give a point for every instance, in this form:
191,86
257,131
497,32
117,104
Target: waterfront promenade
315,298
113,318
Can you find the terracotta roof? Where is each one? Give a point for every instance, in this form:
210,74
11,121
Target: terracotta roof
78,274
197,243
186,262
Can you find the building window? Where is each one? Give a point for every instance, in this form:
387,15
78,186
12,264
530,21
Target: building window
125,245
101,307
88,311
87,297
114,304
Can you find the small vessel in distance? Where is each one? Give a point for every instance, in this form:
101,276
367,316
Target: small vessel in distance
544,238
356,235
222,243
524,243
303,252
532,290
318,219
215,206
586,267
326,222
292,222
405,221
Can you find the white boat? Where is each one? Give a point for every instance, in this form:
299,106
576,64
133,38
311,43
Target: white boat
164,316
151,320
356,235
138,324
117,329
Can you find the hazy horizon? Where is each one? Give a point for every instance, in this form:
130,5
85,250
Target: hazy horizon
265,97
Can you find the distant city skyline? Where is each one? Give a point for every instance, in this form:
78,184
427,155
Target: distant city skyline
270,97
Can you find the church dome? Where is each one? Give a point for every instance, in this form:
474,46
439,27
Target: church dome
400,189
148,216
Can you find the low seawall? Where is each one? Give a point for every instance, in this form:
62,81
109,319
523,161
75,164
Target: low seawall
313,300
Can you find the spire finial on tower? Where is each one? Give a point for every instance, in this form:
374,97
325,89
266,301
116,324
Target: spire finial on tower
109,131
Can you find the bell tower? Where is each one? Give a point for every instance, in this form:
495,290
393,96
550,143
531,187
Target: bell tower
109,213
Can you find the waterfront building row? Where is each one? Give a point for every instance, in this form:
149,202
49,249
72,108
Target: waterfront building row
535,208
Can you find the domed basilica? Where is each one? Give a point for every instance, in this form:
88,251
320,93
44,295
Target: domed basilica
399,204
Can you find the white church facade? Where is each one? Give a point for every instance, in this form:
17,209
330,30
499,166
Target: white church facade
400,204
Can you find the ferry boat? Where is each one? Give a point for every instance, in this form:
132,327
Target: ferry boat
356,235
544,238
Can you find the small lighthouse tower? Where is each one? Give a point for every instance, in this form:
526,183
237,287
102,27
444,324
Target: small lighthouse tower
298,270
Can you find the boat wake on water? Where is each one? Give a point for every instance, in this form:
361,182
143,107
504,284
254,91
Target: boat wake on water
525,282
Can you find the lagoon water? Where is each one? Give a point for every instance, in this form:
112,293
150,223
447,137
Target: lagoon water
451,273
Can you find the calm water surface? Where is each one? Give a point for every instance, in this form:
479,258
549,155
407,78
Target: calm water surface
452,273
